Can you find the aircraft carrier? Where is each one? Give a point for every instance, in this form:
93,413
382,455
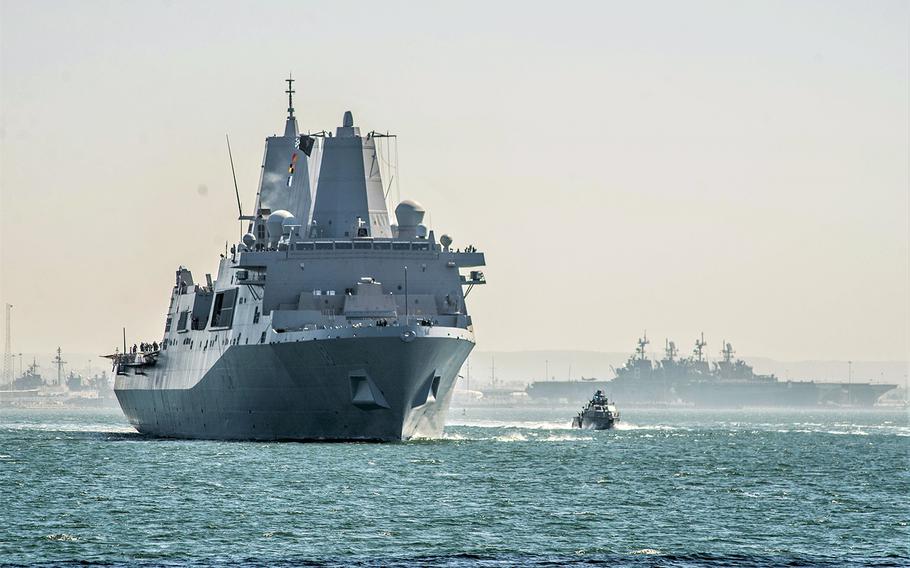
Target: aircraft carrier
326,321
694,381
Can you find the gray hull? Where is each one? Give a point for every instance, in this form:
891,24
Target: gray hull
358,388
593,423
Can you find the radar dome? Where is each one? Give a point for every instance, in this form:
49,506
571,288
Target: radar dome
409,213
249,240
445,241
276,222
421,231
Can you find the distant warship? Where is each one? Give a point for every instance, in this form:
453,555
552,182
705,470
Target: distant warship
598,414
32,390
324,322
694,381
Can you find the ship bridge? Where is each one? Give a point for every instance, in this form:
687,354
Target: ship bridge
321,250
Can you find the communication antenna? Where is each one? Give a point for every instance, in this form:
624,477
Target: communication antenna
236,189
727,351
642,344
670,349
58,360
7,349
290,92
699,347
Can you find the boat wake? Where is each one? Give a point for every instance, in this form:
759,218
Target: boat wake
67,427
524,425
515,434
630,426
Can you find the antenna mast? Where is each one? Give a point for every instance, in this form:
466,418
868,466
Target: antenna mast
236,189
290,92
699,347
727,352
642,343
59,362
7,349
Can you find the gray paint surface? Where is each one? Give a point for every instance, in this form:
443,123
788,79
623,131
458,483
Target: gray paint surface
304,391
335,330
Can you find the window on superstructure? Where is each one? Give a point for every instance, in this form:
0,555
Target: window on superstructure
181,323
223,311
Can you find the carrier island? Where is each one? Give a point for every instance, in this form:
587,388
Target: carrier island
326,321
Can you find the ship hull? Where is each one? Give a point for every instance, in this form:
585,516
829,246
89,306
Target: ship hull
593,423
352,388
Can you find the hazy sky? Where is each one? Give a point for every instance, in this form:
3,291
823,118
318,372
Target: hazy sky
737,168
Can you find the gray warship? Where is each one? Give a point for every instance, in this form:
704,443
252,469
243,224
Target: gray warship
326,321
695,381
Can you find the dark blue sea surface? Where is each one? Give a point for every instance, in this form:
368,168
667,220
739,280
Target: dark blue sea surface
502,488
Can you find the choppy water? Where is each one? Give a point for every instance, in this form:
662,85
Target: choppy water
504,487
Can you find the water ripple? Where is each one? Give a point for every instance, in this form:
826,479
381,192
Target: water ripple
501,488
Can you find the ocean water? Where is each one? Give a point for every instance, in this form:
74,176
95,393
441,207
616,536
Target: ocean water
503,487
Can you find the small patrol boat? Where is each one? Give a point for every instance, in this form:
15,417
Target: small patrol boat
599,414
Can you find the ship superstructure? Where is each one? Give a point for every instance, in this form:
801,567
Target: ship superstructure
325,322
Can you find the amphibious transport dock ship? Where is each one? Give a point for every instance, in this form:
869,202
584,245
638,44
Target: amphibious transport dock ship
694,381
325,322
